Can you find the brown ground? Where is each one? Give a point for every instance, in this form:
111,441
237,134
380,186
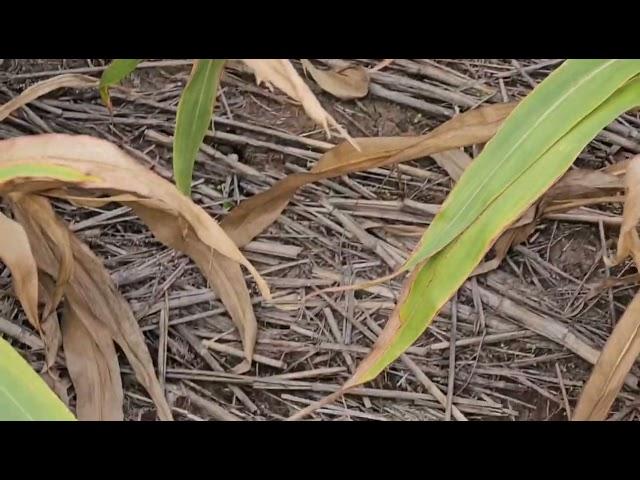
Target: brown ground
503,370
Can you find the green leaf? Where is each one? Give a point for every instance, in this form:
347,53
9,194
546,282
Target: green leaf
25,171
195,111
23,394
113,74
565,97
434,281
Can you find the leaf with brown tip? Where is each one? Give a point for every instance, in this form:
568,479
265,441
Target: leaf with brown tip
346,83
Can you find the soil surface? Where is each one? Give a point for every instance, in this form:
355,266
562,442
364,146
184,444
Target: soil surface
503,370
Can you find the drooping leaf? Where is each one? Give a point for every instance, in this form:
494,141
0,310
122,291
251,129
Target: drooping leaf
93,168
95,316
437,279
23,394
615,362
623,346
92,363
98,166
114,74
346,83
566,96
256,213
15,253
629,241
193,118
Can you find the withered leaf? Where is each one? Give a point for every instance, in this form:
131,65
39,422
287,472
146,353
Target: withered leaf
16,254
282,74
96,315
256,213
345,83
623,346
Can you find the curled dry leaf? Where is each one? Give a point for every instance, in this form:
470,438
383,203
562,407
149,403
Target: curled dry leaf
44,87
629,241
16,254
95,316
100,166
623,346
70,165
345,83
569,192
93,366
283,75
48,289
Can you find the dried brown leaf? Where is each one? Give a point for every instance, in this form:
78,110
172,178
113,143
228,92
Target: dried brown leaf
614,363
96,314
16,254
92,362
224,275
256,213
623,346
345,83
453,162
629,241
583,183
113,173
49,323
575,188
108,169
44,87
282,74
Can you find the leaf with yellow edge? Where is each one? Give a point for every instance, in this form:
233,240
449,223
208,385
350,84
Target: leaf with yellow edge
563,99
438,275
437,279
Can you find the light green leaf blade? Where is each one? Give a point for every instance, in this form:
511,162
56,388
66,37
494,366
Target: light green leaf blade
113,74
433,282
193,118
25,171
565,97
23,394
